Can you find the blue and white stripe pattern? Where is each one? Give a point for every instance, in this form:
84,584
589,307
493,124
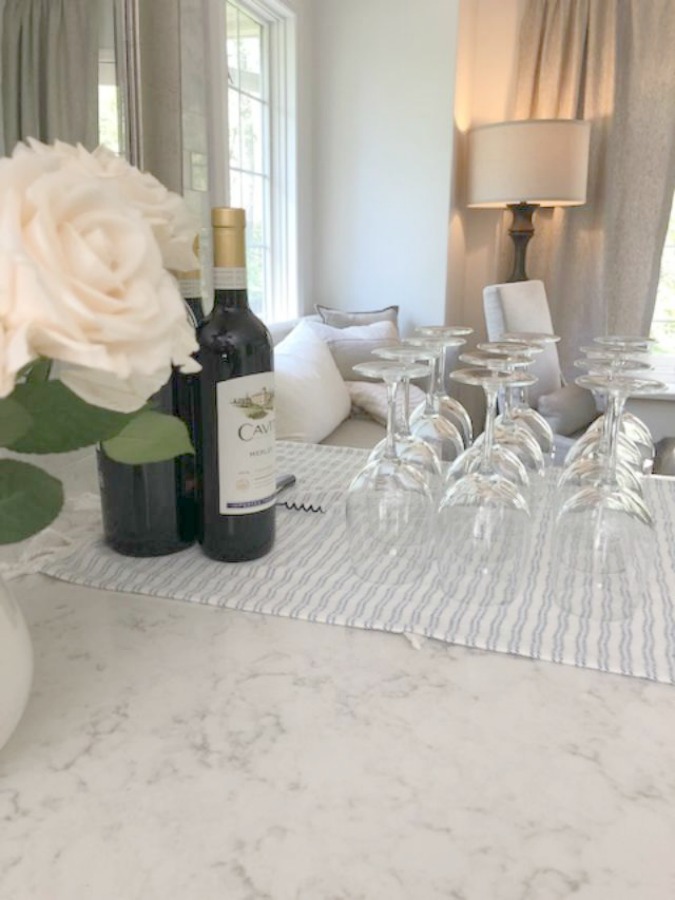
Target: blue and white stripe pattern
308,576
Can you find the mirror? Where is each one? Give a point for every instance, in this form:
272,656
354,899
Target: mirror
49,70
67,74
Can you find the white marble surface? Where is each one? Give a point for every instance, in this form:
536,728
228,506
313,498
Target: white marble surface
188,753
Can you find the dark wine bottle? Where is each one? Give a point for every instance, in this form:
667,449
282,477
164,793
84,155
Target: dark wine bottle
235,444
150,510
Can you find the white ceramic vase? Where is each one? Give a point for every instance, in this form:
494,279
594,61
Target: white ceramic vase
16,663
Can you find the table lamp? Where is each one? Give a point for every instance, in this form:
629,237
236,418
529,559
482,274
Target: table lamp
523,165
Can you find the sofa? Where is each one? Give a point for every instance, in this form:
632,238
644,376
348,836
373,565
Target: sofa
319,397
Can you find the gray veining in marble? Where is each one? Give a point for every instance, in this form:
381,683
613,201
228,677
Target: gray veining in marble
181,752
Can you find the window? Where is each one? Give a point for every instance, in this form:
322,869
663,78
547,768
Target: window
108,106
259,101
663,322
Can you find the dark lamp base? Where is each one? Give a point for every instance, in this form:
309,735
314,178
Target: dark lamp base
521,231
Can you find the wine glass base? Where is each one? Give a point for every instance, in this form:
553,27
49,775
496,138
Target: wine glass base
602,564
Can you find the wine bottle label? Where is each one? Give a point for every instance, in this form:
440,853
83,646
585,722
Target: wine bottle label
229,279
246,464
190,288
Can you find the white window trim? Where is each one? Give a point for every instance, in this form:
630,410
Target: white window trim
283,221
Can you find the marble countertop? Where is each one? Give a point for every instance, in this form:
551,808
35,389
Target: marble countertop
179,752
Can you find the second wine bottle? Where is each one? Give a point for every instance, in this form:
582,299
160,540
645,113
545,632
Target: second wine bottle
235,414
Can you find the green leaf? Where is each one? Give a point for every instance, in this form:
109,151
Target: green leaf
29,500
61,421
39,370
149,437
14,421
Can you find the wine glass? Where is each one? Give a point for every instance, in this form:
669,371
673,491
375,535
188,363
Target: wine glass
483,518
613,360
521,409
448,406
434,428
410,449
604,533
389,506
508,435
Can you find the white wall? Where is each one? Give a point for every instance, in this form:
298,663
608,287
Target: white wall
485,83
383,88
488,31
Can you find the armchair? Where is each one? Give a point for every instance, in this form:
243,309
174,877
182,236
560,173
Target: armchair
523,306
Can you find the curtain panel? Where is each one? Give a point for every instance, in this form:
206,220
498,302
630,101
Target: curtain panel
611,62
49,71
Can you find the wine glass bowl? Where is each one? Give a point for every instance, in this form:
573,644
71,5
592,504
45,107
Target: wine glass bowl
522,411
604,532
389,506
427,422
483,517
612,360
411,449
510,433
603,546
448,337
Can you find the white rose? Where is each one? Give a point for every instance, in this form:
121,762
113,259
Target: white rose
172,223
82,282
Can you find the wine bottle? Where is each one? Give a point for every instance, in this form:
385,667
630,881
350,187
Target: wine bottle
235,445
150,509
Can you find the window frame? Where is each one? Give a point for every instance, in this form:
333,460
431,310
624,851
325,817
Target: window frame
279,21
668,248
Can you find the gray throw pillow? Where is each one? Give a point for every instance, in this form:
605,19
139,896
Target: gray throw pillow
355,343
340,318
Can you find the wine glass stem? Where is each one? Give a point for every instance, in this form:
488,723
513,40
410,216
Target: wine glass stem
614,411
403,426
506,401
390,444
433,381
488,437
442,371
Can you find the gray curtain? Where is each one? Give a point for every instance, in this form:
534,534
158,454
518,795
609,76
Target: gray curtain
611,62
49,71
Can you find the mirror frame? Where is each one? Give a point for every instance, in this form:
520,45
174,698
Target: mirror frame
127,54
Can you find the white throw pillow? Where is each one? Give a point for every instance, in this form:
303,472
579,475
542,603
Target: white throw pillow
355,343
311,397
371,397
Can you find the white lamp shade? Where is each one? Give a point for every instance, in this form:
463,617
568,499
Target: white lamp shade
542,161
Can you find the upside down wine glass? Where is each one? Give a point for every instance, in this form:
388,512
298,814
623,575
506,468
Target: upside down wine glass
409,447
426,421
452,409
633,427
483,517
520,408
603,541
591,451
510,433
389,506
614,360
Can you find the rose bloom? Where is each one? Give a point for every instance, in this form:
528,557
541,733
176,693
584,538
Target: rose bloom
82,282
167,214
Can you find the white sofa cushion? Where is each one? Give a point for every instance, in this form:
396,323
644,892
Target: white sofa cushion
363,433
311,396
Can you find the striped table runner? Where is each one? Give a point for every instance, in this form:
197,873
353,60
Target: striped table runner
308,576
